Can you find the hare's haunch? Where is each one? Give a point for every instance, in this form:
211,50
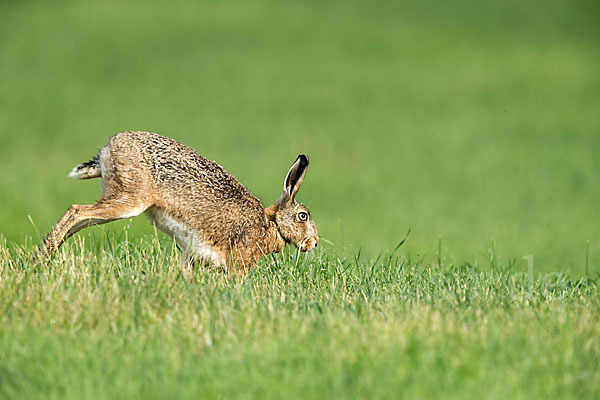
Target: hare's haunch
212,217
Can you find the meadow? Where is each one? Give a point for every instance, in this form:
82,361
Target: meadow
125,322
474,125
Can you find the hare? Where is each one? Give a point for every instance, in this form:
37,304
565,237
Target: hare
211,216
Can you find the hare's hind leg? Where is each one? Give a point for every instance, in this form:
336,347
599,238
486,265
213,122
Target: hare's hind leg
78,217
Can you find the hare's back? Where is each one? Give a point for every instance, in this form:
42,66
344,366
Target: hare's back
179,171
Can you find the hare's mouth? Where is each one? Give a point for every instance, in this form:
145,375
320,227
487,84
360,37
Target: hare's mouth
308,244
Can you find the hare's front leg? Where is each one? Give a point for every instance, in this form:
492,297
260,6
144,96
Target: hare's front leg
78,217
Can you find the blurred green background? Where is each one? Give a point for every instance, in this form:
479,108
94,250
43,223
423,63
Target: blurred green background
473,122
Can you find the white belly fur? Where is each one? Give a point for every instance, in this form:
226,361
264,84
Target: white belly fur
187,240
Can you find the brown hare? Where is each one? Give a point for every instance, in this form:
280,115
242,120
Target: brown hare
211,216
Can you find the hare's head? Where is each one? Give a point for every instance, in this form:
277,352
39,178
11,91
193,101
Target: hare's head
292,218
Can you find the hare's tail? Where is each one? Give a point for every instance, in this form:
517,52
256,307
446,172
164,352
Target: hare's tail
87,170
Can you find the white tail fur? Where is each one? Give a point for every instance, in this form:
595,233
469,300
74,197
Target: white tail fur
86,170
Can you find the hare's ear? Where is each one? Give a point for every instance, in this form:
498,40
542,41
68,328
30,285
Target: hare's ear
294,179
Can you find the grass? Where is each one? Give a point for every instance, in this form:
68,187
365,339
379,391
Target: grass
125,322
474,122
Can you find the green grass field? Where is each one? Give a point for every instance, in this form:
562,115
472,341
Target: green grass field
124,322
476,125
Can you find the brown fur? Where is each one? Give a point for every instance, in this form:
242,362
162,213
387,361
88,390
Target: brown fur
176,187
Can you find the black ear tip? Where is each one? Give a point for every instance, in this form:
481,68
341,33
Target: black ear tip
303,159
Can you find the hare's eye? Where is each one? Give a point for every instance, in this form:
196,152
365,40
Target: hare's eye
302,216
